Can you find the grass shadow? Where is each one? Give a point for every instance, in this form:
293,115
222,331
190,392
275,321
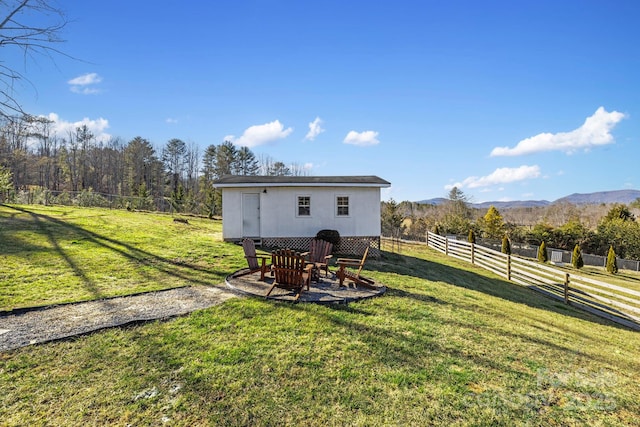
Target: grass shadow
477,279
55,229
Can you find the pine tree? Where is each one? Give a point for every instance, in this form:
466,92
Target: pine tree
493,223
506,246
472,236
576,258
392,219
542,252
612,265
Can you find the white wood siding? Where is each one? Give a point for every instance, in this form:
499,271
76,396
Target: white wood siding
279,208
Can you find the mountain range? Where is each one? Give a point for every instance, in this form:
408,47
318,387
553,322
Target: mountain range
617,196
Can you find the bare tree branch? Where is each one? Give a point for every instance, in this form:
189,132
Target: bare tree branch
18,30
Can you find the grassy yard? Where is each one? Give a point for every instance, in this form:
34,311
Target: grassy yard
59,254
449,344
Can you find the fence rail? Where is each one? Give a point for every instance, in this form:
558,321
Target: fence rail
606,300
529,251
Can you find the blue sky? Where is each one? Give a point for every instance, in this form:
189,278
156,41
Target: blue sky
508,100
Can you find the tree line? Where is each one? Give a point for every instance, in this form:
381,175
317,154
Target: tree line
33,158
595,228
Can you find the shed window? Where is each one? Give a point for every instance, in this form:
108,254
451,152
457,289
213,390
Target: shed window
304,205
342,205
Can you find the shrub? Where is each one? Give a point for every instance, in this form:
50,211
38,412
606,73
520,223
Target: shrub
331,236
64,198
472,236
506,246
576,258
612,265
87,198
542,252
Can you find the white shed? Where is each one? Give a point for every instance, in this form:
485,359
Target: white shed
288,211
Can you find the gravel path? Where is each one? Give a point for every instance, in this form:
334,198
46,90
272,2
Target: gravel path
62,321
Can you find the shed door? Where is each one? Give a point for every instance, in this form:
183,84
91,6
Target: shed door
250,215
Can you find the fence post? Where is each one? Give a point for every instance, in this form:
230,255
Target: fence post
566,288
508,267
446,246
473,253
427,238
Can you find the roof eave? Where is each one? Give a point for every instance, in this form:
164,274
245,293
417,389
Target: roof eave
300,184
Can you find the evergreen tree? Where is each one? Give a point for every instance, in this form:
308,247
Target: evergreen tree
177,198
457,213
542,252
173,158
493,223
619,211
209,163
226,162
576,258
506,245
141,163
247,162
212,196
392,219
472,236
612,265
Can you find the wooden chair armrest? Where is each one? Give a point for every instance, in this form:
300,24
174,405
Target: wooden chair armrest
328,256
348,261
258,256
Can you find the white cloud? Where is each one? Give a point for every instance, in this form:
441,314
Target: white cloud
499,176
84,84
594,132
315,129
62,128
362,139
261,134
171,121
86,79
84,90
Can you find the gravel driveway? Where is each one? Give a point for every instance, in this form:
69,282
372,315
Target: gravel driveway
62,321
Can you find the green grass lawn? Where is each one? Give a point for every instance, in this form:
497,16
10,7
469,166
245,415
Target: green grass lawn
54,255
448,344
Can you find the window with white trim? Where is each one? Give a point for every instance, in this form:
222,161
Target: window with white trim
342,205
304,205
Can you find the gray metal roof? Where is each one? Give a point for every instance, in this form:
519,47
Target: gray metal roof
300,181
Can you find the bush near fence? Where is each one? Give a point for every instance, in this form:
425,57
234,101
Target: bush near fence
531,251
606,300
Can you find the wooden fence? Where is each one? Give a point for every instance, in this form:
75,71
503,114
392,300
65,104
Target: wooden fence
612,302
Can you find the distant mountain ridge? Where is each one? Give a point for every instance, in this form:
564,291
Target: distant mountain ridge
616,196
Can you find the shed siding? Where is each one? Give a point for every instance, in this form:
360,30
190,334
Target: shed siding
278,211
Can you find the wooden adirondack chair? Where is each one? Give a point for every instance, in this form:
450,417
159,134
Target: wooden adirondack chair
319,254
291,271
256,262
350,269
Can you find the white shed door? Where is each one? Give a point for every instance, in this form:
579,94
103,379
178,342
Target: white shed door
251,215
